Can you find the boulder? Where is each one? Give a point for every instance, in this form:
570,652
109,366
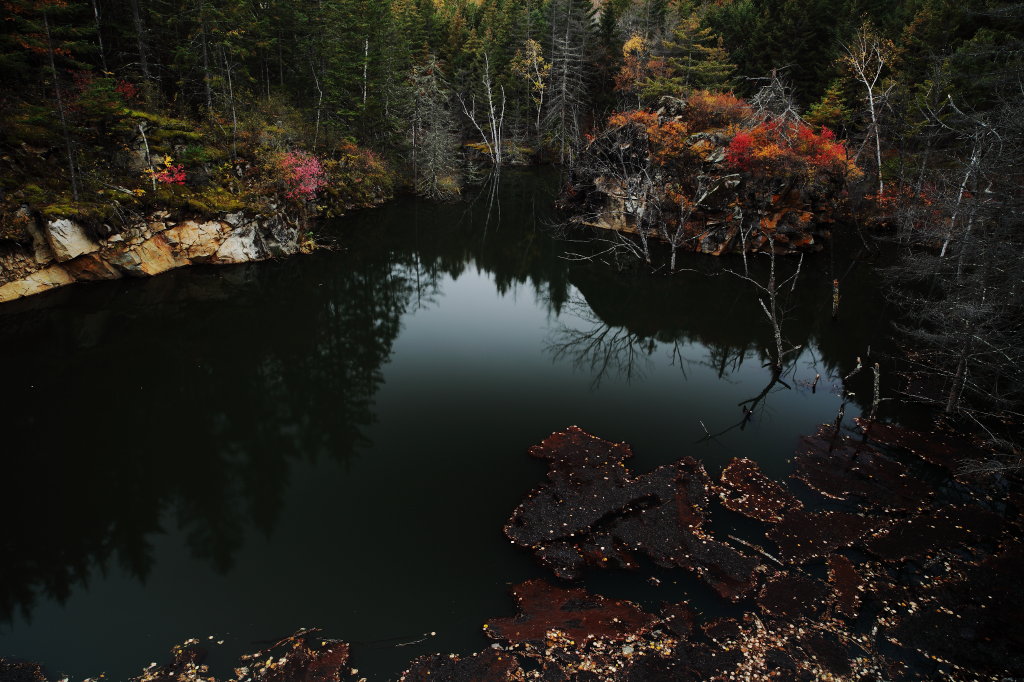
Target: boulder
68,239
243,245
197,242
151,257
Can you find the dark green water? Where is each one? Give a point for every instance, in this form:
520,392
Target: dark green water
337,440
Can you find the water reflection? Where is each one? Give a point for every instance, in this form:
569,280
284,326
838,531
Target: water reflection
191,404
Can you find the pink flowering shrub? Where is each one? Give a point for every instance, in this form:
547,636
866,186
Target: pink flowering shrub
303,175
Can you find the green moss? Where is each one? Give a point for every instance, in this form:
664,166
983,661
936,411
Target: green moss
64,207
165,122
213,201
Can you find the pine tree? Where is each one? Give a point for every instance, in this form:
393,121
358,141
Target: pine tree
697,59
432,142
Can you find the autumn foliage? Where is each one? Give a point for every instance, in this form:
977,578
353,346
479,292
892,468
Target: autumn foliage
777,148
303,175
669,138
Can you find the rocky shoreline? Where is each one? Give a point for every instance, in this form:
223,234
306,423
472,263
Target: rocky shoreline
64,251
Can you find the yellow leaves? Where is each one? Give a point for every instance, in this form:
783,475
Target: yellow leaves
636,45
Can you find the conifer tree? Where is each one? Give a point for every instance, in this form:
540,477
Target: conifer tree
697,58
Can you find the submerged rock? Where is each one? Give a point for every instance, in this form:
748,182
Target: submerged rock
842,469
747,491
593,512
573,612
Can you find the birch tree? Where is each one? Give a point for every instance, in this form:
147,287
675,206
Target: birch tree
867,56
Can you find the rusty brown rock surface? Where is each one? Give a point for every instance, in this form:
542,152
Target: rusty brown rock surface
594,512
544,607
746,490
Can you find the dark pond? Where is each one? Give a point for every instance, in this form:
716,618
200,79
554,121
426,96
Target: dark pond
337,440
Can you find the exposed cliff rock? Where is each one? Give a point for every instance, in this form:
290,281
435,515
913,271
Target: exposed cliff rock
63,251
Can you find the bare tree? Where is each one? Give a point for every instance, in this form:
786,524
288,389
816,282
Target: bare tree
571,30
492,129
768,294
867,56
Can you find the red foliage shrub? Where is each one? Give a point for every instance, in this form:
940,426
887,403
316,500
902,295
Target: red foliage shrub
303,175
171,175
127,90
790,148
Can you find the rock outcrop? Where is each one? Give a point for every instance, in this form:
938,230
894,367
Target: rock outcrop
63,251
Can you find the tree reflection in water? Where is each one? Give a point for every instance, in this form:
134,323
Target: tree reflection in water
80,494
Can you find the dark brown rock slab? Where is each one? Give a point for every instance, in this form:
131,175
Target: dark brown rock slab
20,672
746,490
847,585
940,449
576,613
802,535
593,512
303,657
792,596
941,529
844,469
973,623
679,619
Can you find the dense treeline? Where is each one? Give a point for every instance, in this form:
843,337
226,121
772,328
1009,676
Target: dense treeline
410,78
112,105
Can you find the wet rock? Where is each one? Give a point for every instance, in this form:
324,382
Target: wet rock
679,619
941,450
20,672
939,529
186,666
846,585
973,623
841,469
792,596
827,651
301,657
746,490
802,535
593,512
723,630
578,614
487,666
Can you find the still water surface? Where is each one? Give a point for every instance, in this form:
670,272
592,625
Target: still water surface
336,440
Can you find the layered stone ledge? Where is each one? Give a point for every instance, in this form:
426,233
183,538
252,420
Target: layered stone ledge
64,251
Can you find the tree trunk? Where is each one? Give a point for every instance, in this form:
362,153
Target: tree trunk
140,38
60,109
